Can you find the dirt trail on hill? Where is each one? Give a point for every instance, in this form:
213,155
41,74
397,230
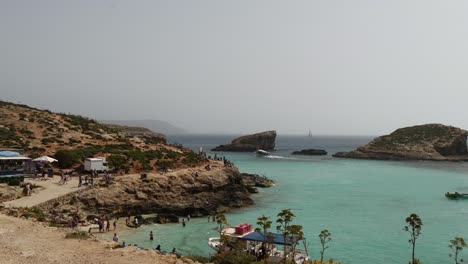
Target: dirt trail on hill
51,190
24,241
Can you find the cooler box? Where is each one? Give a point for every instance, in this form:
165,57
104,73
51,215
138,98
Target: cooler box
243,229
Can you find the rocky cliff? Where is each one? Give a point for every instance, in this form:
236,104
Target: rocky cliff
264,140
423,142
193,191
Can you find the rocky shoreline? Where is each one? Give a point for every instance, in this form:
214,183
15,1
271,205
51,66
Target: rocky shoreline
194,192
433,142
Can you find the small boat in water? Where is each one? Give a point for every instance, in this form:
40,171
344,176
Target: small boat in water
456,195
214,243
261,152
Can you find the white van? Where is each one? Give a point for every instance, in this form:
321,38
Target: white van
98,164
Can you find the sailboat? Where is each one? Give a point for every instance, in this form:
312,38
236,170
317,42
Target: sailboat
310,133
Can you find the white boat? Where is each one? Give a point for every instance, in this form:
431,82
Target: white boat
214,243
261,152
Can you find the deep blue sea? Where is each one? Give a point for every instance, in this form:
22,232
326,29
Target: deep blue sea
363,203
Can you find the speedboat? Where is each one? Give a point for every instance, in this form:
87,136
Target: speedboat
456,195
261,152
214,243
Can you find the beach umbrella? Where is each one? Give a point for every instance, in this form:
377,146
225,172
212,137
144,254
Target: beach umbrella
45,159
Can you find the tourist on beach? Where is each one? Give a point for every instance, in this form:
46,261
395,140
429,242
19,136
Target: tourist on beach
183,222
107,225
174,250
80,180
115,224
115,238
188,217
136,221
208,219
158,248
28,189
151,236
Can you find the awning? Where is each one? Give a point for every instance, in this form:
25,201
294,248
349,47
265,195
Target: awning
8,153
259,237
14,158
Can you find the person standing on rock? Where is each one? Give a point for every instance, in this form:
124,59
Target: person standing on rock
151,236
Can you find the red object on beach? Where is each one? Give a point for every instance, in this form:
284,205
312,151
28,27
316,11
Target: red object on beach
243,228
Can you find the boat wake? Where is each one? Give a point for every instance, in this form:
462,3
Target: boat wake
280,157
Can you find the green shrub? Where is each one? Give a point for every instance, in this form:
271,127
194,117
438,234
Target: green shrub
35,212
234,257
67,158
46,141
14,182
77,235
117,161
200,259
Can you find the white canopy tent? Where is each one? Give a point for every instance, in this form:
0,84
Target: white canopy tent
45,159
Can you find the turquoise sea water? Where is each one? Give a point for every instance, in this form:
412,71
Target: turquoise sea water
362,203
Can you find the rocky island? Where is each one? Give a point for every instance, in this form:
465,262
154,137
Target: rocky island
310,152
264,140
423,142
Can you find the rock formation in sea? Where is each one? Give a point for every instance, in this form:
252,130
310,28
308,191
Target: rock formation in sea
424,142
264,140
311,152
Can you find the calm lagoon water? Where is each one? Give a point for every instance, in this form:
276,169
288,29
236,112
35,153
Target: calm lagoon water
362,203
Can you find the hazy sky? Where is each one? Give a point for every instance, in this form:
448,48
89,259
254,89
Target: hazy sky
336,67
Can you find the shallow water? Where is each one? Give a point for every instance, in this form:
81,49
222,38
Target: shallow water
362,203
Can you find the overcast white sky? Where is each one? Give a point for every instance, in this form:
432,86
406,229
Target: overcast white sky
360,67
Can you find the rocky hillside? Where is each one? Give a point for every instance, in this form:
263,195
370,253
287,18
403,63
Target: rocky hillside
423,142
194,191
264,140
72,138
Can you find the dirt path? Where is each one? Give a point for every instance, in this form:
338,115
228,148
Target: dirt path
50,190
24,241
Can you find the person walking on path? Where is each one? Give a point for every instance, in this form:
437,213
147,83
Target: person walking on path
80,180
28,189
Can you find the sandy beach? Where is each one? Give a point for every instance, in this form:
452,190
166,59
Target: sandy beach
25,241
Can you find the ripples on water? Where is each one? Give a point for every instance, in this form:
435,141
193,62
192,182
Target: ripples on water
362,203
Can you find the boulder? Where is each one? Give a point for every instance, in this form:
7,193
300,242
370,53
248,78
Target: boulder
264,140
424,142
311,152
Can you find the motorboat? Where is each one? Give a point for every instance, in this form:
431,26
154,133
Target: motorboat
456,195
214,243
